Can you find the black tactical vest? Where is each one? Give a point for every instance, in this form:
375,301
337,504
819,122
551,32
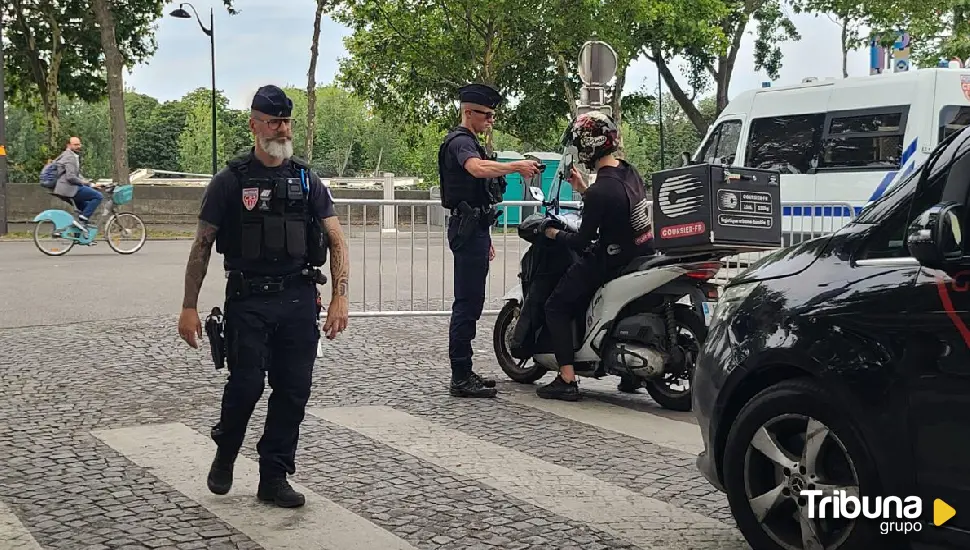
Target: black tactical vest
457,184
269,225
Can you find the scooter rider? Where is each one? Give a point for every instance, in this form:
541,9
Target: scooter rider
616,209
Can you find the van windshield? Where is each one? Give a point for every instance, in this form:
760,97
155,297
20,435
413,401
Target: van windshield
883,207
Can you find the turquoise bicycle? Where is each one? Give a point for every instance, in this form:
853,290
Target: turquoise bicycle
65,229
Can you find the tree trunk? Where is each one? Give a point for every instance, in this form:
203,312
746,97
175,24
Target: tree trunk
311,87
44,73
690,110
845,47
570,96
116,91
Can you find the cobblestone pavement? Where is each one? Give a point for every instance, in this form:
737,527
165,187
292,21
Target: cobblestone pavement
104,444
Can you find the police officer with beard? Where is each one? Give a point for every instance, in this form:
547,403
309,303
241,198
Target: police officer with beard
472,182
274,222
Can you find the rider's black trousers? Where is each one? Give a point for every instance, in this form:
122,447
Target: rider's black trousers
569,301
275,336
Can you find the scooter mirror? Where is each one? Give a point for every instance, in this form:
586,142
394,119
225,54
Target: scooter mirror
537,194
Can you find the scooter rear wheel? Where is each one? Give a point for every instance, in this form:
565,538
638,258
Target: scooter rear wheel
661,392
515,369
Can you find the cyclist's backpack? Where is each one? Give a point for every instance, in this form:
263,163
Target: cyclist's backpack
49,175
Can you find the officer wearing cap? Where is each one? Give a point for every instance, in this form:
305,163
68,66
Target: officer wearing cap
471,184
273,220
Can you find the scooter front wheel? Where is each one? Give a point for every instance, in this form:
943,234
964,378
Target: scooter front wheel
515,369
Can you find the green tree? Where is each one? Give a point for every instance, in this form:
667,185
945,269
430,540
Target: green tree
717,61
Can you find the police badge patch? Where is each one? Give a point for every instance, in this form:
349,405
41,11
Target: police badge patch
249,196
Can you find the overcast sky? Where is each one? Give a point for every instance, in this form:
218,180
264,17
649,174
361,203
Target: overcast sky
269,42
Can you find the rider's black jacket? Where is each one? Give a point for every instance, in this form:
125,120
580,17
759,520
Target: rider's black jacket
615,208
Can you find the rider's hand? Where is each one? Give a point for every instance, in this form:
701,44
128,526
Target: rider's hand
337,316
190,326
527,168
491,252
577,182
551,232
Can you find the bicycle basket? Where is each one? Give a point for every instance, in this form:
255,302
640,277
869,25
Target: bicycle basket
123,194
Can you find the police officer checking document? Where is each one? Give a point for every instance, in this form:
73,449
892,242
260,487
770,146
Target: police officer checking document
471,184
273,220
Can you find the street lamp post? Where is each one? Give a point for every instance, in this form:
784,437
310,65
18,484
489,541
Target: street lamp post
182,14
3,143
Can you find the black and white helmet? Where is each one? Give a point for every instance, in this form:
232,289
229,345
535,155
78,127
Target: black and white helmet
594,135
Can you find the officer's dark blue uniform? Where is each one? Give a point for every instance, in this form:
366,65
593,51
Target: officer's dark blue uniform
271,244
470,203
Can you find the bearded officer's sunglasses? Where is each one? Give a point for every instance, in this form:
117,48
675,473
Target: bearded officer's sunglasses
274,123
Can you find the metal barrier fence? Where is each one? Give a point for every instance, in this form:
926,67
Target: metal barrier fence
401,264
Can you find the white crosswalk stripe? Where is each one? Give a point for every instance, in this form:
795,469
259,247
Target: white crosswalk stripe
13,534
180,457
646,522
675,434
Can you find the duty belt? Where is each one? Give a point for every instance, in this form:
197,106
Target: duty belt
242,285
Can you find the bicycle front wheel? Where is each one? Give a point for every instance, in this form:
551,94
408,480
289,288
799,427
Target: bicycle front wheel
128,229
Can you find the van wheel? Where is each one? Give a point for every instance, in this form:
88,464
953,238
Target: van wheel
793,437
515,369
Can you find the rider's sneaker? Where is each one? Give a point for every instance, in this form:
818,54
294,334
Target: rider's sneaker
628,385
559,389
471,387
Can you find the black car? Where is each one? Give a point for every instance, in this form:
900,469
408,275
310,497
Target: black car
843,362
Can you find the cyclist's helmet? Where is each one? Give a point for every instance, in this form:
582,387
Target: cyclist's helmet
594,135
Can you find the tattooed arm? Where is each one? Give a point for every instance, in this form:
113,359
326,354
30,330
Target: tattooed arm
337,313
339,257
190,326
198,264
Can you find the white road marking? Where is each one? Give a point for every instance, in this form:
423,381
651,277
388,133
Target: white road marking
646,426
13,534
180,456
644,521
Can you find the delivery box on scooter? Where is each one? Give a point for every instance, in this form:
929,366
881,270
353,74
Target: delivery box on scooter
709,207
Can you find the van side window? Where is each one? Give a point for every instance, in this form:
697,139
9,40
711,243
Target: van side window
952,119
889,240
722,145
872,138
788,144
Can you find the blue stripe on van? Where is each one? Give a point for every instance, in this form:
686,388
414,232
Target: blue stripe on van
890,176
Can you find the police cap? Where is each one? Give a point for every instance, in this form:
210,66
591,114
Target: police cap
480,94
272,101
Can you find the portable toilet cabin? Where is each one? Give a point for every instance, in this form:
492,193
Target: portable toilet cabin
516,191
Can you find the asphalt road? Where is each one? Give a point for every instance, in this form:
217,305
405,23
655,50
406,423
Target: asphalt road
95,283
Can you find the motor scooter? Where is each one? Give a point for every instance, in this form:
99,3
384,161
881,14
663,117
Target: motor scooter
647,325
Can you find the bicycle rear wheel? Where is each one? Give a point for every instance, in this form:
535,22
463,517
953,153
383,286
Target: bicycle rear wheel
125,226
61,244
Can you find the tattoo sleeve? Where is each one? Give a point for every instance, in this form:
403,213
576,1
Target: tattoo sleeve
339,257
198,263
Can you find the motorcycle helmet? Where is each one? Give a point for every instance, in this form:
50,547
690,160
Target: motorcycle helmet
594,135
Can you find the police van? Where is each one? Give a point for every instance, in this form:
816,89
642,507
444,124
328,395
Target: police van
839,143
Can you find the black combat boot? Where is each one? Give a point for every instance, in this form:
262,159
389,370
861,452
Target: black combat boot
559,389
472,386
487,382
220,473
277,490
